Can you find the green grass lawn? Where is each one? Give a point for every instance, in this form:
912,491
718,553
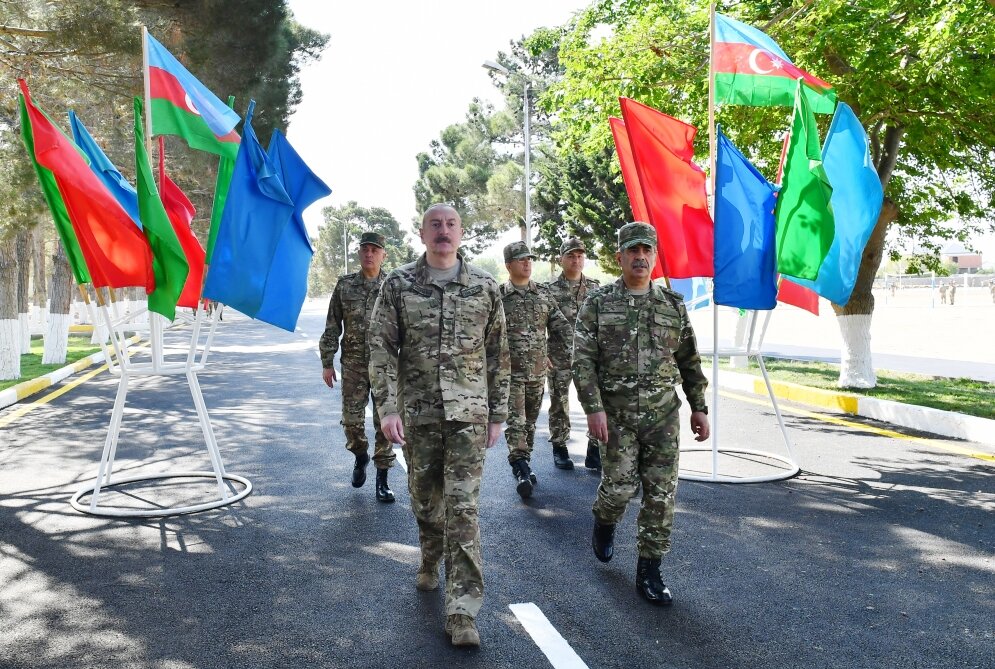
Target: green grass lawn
31,367
975,398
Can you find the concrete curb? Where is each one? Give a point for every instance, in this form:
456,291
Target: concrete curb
924,419
17,393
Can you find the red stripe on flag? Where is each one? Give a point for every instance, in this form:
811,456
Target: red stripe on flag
164,86
738,58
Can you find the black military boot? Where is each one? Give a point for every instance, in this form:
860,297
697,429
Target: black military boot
603,541
384,493
523,475
593,459
561,459
649,583
359,470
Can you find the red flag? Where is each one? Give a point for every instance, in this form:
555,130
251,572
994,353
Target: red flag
798,296
631,181
115,250
673,189
181,211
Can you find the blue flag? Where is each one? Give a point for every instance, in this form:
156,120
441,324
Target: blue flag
286,285
692,289
745,248
257,211
856,201
101,165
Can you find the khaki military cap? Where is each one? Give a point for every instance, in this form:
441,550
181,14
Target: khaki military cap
374,238
572,244
517,251
631,234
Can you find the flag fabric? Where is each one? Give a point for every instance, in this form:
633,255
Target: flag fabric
751,69
631,181
286,283
168,260
256,213
857,199
804,216
789,292
113,248
673,189
221,184
50,191
692,289
181,211
744,232
105,170
183,106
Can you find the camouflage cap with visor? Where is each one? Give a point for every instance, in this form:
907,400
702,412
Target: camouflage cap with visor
631,234
572,244
517,251
374,238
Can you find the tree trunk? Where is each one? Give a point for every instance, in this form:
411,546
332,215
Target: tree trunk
39,295
23,246
856,365
10,333
61,292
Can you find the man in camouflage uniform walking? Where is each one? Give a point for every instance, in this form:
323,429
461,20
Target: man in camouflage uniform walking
440,368
569,290
350,308
530,312
634,342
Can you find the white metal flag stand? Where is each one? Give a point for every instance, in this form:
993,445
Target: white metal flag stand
783,466
122,361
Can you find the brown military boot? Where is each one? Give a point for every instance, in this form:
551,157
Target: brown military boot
427,578
462,630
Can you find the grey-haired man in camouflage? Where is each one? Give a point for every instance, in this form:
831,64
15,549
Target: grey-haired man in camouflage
634,343
530,312
569,290
439,364
349,311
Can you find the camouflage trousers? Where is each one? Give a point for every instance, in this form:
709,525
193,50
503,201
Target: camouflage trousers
355,396
559,407
445,465
640,449
524,401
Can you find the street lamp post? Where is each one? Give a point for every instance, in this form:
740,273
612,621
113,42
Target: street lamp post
501,69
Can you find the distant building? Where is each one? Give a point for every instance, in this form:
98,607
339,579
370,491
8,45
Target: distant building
967,262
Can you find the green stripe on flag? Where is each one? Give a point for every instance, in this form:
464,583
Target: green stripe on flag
763,90
225,168
168,119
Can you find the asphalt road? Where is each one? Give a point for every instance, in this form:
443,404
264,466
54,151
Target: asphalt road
879,554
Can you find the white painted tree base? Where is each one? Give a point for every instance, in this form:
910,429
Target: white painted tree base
56,339
24,323
856,365
10,350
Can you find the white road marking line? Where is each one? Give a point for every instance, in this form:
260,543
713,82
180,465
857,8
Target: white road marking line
550,642
400,458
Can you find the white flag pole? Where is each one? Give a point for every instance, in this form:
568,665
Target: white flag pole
715,306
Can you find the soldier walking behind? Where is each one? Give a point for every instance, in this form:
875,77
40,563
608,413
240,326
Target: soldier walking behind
633,343
530,312
439,364
351,306
569,290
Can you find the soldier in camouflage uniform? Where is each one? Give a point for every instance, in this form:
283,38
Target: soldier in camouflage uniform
350,307
569,290
634,342
440,369
530,312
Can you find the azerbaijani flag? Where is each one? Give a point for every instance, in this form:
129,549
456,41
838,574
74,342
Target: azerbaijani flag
751,69
183,106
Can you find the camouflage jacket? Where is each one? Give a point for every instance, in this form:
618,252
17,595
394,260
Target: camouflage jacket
350,306
440,354
629,349
530,313
568,298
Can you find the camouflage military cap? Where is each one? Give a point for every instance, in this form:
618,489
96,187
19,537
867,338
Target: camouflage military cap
517,251
374,238
631,234
571,244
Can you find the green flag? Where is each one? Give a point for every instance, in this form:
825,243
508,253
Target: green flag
169,263
803,216
50,190
226,166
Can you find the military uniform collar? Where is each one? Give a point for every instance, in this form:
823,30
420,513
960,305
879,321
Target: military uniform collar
421,270
359,280
655,292
532,287
562,279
